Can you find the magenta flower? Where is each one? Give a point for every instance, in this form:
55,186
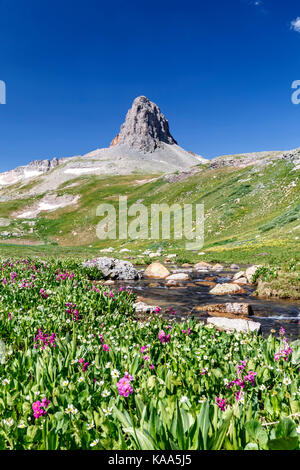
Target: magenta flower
43,294
63,276
172,311
239,395
39,408
241,366
124,387
44,340
221,403
284,354
105,347
250,377
163,337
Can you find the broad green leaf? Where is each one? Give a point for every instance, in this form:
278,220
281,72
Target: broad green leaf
284,443
251,446
145,441
257,432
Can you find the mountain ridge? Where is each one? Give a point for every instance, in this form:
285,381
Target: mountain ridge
144,137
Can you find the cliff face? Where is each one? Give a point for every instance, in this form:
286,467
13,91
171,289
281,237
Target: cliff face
145,127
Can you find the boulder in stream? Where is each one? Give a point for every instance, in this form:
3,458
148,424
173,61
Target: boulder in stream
202,265
178,277
225,289
239,325
113,268
157,270
142,307
227,310
250,273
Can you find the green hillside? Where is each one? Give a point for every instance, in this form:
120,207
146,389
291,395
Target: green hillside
248,211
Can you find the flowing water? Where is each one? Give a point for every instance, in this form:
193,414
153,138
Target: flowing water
272,314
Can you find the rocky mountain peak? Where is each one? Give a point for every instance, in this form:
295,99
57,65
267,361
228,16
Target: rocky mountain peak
145,127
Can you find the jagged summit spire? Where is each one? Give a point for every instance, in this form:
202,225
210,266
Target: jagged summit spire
145,127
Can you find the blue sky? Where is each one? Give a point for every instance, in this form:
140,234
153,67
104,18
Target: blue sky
221,71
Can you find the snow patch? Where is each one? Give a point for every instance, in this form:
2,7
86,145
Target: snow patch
81,171
50,204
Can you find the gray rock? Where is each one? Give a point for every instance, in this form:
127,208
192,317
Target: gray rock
145,127
141,307
239,275
217,267
241,280
178,277
234,266
250,273
4,222
226,288
202,265
113,268
227,310
234,324
36,168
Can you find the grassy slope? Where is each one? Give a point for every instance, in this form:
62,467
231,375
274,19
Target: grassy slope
248,211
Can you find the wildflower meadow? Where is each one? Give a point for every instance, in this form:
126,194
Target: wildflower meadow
80,370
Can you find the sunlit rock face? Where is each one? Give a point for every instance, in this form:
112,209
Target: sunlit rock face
145,127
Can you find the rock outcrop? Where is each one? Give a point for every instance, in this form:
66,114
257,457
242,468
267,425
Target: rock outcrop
145,127
33,169
112,268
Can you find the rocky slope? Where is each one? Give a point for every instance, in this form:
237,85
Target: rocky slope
32,170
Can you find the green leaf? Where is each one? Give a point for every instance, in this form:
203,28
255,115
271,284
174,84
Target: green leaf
285,443
124,418
217,373
257,432
204,424
151,382
180,431
220,434
145,441
251,446
286,428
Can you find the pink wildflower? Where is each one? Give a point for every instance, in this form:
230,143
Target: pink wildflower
163,337
39,408
124,387
221,403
